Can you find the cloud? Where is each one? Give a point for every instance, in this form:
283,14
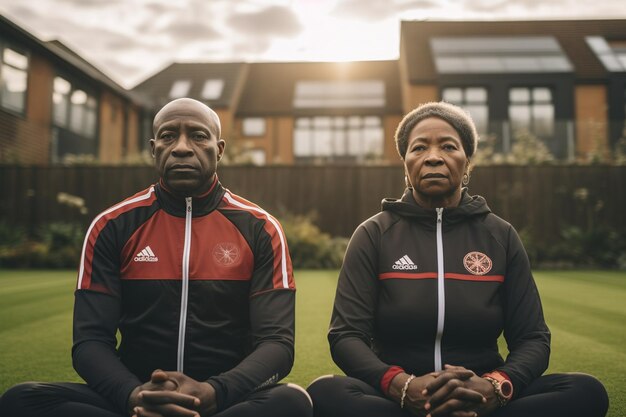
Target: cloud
24,12
90,3
495,6
271,21
157,8
375,10
170,25
191,31
251,49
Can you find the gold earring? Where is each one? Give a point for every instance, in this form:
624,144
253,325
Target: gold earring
466,178
406,182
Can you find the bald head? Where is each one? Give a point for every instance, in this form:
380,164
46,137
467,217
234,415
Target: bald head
188,107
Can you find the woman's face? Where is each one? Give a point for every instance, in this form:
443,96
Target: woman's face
435,162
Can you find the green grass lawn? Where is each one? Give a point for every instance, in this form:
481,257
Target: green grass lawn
586,312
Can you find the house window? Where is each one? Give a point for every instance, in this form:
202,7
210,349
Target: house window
73,108
61,101
253,126
82,113
340,138
622,133
212,89
612,54
255,156
499,54
13,72
339,94
532,109
180,88
473,100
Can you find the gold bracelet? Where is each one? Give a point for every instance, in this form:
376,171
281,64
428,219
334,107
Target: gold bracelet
404,389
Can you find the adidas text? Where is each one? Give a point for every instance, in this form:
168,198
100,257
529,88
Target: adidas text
146,259
404,266
146,255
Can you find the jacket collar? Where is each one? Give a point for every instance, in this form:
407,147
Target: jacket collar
406,206
201,205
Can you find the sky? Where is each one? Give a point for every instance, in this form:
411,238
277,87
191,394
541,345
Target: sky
130,40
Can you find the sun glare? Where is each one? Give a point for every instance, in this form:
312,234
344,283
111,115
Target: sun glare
332,39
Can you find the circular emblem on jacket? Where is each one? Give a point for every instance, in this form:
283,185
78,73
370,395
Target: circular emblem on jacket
226,254
477,263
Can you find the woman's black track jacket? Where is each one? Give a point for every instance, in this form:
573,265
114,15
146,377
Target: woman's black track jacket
421,288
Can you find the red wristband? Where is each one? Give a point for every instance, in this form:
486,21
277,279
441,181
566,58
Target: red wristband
504,383
385,381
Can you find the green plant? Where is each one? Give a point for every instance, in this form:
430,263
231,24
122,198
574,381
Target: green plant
11,234
598,247
55,245
528,149
79,159
309,246
485,153
620,150
64,242
59,235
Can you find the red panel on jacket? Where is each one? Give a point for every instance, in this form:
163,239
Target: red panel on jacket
217,249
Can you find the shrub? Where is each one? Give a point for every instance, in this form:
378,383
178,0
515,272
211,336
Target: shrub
11,234
597,247
55,245
310,248
64,242
527,149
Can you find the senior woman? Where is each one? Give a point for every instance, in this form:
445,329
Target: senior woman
426,288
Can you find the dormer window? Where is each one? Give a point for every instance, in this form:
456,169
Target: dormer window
338,94
212,89
180,88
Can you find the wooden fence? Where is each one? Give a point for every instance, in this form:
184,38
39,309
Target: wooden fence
543,199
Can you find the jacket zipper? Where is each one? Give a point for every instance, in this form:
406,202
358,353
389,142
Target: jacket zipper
441,296
185,287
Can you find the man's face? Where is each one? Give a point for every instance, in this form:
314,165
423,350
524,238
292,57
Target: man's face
186,147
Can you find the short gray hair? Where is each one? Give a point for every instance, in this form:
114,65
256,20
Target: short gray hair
454,115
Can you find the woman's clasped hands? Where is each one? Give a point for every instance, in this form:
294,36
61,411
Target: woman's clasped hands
453,392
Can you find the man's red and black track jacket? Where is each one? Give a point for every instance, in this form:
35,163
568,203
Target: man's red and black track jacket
199,285
421,288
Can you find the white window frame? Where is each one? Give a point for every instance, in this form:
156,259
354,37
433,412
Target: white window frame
468,104
253,126
18,70
80,113
179,89
212,89
534,107
338,137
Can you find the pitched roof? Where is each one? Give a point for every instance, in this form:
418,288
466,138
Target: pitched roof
270,87
61,53
418,60
156,89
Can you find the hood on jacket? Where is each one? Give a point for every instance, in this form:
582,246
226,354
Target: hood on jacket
407,207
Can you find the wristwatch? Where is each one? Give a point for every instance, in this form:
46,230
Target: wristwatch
501,385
